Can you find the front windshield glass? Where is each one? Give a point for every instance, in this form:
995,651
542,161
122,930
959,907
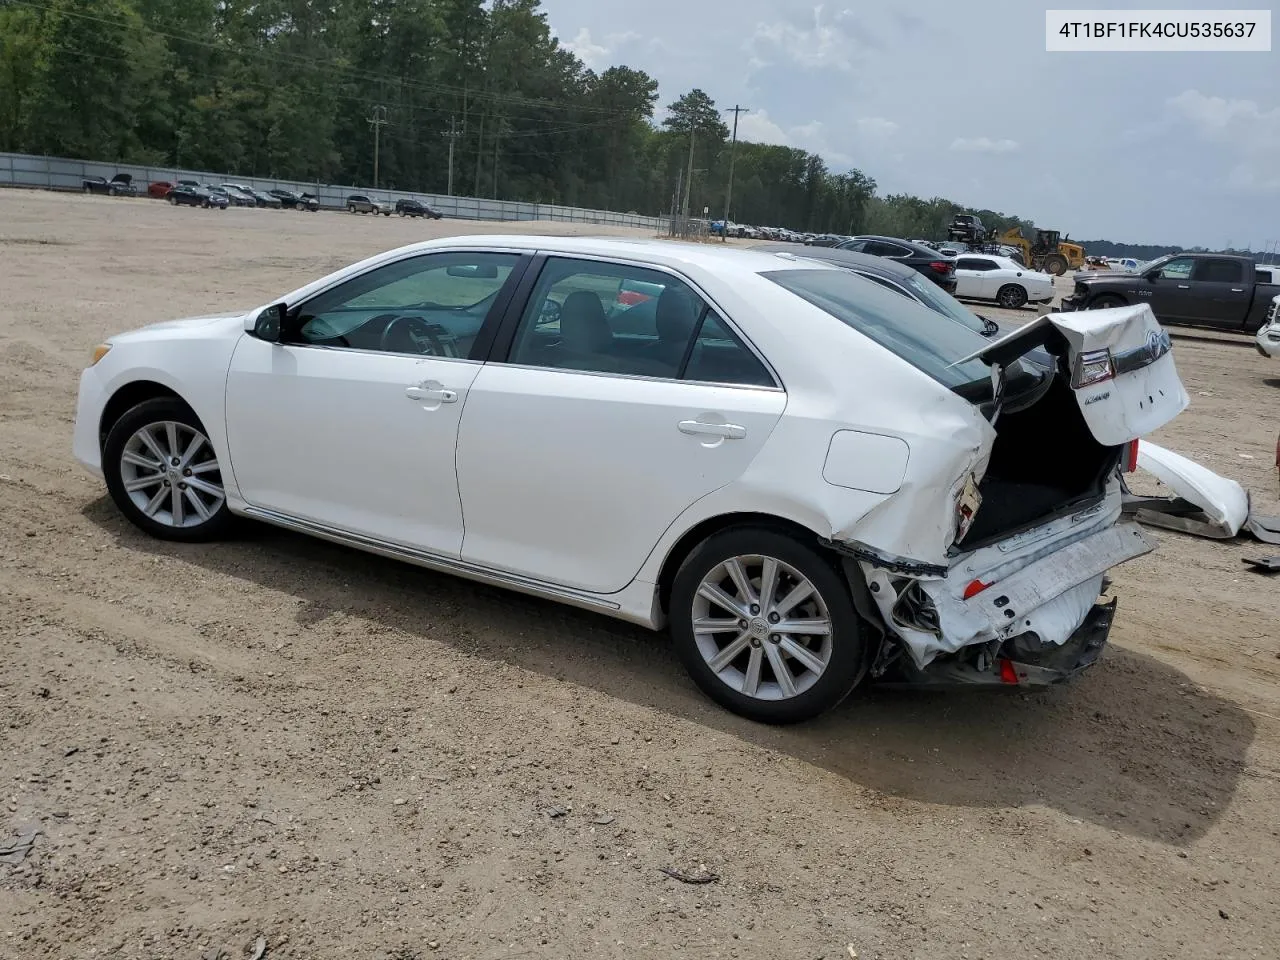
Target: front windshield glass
902,326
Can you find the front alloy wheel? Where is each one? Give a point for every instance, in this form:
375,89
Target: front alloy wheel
766,626
1011,296
163,473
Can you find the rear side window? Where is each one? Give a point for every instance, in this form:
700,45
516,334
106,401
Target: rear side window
1219,271
903,327
972,263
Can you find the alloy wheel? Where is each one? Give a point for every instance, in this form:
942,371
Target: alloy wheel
762,627
170,472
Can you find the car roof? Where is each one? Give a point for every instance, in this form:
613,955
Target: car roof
926,251
842,258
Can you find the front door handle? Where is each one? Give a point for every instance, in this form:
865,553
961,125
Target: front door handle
438,394
1237,289
1184,286
727,431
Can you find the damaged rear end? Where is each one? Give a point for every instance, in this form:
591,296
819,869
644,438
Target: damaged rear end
1018,597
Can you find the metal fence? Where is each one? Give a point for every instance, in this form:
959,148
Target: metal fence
54,173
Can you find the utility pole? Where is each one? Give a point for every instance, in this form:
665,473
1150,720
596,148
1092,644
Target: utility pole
452,136
733,148
688,179
497,139
377,120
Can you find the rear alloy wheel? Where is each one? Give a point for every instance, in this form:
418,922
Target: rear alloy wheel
1011,296
163,473
766,626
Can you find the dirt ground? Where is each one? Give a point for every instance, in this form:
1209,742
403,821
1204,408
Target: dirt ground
354,758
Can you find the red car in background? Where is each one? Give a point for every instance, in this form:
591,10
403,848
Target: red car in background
159,189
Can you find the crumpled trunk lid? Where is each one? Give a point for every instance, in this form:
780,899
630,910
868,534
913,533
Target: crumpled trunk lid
1120,365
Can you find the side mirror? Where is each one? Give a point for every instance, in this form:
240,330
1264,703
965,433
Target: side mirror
1153,276
268,323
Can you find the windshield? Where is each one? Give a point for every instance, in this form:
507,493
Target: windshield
906,328
934,296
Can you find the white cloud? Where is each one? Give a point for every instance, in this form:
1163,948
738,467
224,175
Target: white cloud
597,54
758,128
1248,134
876,128
983,145
818,43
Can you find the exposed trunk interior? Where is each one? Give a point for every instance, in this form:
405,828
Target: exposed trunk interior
1044,462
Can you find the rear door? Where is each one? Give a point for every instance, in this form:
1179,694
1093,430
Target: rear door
1221,290
597,422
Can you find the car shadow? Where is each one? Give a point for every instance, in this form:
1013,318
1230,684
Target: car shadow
1272,382
1132,745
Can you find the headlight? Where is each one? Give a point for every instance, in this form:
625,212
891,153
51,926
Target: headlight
100,351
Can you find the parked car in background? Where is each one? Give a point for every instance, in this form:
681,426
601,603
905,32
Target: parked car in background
188,183
267,200
823,240
1268,338
839,499
358,203
296,201
184,195
941,270
1001,279
121,185
409,207
235,195
159,189
1198,289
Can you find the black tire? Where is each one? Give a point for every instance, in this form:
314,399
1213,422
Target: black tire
173,200
822,571
1055,264
1104,301
158,411
1011,296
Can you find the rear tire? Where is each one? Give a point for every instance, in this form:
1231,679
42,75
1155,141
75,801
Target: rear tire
182,501
1011,296
762,670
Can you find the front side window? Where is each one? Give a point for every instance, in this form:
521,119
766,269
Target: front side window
631,321
1178,269
433,305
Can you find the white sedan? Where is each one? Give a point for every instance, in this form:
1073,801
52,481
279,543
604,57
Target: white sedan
806,477
1001,279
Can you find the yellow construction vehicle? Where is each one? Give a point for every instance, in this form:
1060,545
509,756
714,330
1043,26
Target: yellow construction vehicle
1048,252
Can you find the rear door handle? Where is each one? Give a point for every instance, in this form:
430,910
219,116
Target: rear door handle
439,394
728,431
1237,289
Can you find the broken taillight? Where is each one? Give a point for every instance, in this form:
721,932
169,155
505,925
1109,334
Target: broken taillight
974,588
1094,366
1008,672
1130,456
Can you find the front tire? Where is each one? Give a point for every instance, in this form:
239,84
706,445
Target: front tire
1104,302
1011,296
765,625
163,473
1055,264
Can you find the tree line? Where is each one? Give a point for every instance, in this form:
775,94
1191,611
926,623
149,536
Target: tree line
288,89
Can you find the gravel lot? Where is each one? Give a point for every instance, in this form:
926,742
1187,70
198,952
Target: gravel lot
349,757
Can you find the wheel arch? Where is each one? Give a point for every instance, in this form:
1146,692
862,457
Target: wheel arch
708,527
129,396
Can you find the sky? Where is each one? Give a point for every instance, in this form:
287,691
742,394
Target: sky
961,100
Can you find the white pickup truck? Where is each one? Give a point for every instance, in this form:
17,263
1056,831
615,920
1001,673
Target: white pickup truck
1268,338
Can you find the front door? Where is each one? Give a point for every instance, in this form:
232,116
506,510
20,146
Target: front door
605,421
352,422
1170,293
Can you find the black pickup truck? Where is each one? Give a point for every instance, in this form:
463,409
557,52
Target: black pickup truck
1199,289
